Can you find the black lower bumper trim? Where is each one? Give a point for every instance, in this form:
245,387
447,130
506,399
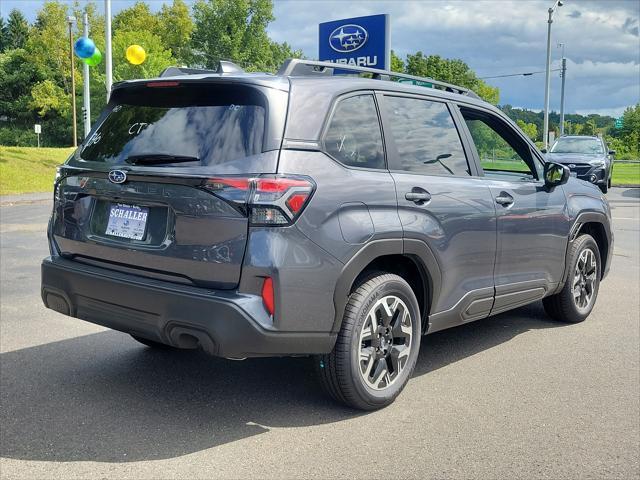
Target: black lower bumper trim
221,323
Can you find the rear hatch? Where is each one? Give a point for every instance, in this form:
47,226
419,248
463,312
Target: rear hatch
153,190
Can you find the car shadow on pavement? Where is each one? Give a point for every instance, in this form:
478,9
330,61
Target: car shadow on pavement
632,192
105,398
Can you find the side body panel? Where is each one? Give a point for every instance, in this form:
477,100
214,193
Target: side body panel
457,225
532,242
351,208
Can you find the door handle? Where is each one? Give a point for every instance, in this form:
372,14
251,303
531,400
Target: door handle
504,199
418,196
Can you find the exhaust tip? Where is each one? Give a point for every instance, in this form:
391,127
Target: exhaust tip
189,338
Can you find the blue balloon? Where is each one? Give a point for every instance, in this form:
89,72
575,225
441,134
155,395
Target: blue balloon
84,47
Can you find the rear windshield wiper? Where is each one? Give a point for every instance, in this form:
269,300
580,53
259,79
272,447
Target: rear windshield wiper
159,159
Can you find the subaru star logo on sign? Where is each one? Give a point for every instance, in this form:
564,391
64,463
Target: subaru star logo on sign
117,176
361,41
348,38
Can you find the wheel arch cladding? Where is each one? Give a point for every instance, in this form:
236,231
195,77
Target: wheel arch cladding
599,234
386,256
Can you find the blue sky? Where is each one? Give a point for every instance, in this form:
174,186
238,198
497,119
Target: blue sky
493,36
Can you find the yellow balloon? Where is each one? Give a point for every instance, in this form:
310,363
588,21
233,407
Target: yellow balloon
136,54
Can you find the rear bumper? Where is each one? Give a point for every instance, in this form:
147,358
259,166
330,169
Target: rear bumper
226,324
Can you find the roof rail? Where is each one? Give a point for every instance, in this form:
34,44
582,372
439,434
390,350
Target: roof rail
224,66
296,66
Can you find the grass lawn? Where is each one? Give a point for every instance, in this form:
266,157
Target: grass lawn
29,169
626,174
623,173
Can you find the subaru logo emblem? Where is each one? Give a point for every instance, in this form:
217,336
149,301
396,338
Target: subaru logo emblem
348,38
572,165
117,176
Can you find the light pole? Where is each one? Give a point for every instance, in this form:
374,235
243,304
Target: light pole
107,43
86,103
547,83
71,20
563,74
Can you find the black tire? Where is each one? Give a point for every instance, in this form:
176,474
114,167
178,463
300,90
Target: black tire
341,372
152,344
562,306
609,183
604,187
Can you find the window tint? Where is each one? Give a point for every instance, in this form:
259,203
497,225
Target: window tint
354,136
500,150
426,137
214,125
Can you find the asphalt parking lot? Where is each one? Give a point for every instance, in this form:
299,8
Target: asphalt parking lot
512,396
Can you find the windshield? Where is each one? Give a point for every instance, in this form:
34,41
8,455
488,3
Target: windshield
191,124
585,146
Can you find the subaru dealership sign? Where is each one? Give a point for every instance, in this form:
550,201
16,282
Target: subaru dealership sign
361,41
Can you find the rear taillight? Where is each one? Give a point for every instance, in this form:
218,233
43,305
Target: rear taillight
268,200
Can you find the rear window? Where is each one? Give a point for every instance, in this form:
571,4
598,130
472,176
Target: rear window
213,124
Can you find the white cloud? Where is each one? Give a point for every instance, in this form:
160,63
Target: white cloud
502,36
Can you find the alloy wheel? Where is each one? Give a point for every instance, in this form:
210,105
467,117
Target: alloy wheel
584,279
385,342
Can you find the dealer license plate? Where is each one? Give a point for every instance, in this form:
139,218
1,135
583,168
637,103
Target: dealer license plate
127,221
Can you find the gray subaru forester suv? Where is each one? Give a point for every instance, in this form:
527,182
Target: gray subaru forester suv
310,213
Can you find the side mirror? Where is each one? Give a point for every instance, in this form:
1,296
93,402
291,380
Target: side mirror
555,174
543,150
612,152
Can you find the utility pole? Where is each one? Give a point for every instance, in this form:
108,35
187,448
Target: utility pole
563,74
107,43
86,108
71,20
547,82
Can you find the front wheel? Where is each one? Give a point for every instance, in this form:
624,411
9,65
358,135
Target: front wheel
575,301
604,187
377,346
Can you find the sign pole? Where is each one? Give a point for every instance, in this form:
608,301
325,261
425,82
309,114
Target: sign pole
86,108
71,21
107,49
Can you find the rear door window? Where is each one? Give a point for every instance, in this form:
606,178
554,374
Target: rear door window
210,124
354,137
425,136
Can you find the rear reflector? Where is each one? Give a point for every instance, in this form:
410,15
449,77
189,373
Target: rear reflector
267,296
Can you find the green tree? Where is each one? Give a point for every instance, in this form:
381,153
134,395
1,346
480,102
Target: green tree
137,18
158,57
397,64
589,128
4,38
626,140
17,29
233,30
530,129
452,71
175,29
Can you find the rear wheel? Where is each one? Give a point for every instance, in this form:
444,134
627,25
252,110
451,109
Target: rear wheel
377,346
151,343
578,296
